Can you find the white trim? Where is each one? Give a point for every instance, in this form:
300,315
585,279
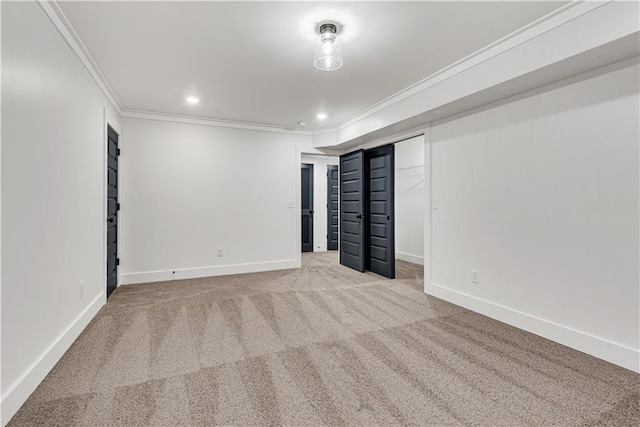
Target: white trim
428,189
114,122
530,31
297,177
324,131
216,270
149,115
534,29
601,348
1,405
574,78
20,391
393,139
414,259
69,34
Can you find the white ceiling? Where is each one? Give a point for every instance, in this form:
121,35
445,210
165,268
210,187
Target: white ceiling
252,61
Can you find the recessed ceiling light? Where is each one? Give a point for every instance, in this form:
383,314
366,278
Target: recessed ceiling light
321,116
192,100
303,124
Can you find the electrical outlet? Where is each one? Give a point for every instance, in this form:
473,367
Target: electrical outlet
475,277
81,289
435,203
220,252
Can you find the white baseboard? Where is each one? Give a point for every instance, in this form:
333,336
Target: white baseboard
617,354
218,270
20,391
415,259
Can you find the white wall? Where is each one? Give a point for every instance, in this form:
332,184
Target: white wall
541,196
320,164
190,189
409,199
53,219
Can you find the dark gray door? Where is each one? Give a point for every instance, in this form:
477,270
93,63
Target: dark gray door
332,207
352,210
379,190
112,210
306,205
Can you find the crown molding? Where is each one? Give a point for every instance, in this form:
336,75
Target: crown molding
151,115
64,27
522,35
534,29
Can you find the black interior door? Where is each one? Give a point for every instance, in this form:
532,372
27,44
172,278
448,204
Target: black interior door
380,228
352,236
112,210
332,207
306,205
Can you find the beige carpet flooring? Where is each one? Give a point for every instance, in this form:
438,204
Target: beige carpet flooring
323,345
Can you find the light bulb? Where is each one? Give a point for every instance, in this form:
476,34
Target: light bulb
327,54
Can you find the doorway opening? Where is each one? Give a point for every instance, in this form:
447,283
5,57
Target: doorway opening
319,203
382,207
306,206
367,211
113,206
410,201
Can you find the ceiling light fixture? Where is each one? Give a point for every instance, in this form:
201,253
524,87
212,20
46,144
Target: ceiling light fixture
327,51
192,100
321,116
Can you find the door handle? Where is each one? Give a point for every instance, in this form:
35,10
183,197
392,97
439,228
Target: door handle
359,216
110,220
310,212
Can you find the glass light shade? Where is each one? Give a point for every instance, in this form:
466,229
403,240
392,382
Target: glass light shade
327,52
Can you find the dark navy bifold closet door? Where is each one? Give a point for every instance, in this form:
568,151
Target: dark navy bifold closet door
332,207
380,234
352,238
